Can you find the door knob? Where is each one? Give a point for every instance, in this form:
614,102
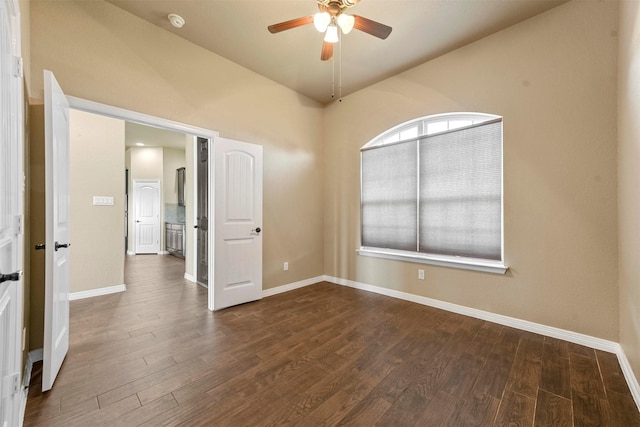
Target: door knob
13,277
256,230
40,246
63,245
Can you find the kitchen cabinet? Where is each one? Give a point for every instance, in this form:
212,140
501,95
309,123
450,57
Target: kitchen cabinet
175,238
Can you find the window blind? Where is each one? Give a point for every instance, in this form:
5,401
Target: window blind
439,194
461,192
389,203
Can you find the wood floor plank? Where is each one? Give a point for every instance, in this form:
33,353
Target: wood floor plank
590,407
322,355
440,410
612,375
516,410
405,411
555,376
553,410
479,410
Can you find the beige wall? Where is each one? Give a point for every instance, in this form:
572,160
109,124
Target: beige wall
113,57
629,181
96,152
36,188
146,163
553,79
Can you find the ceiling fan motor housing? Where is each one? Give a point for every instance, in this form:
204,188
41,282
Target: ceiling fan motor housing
342,4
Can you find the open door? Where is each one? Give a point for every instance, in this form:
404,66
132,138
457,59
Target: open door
11,209
56,313
237,236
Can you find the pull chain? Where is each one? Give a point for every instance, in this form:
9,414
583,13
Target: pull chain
339,66
333,78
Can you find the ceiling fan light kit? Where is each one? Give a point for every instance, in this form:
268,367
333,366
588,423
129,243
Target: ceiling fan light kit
331,36
321,21
329,19
345,22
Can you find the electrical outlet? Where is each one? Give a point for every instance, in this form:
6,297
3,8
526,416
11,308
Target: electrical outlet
285,267
421,274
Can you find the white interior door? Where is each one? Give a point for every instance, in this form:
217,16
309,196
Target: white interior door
146,201
11,238
56,313
237,236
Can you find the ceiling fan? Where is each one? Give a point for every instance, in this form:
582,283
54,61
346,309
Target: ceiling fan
331,17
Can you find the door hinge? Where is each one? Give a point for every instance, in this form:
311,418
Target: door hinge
11,384
17,224
19,68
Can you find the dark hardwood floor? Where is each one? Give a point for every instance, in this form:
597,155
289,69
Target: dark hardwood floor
317,356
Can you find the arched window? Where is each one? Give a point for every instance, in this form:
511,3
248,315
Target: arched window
432,192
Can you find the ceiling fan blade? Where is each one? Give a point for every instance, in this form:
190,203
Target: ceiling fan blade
287,25
327,51
371,27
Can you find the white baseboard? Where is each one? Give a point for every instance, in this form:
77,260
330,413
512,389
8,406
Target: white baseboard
291,286
525,325
163,253
632,381
190,277
130,253
97,292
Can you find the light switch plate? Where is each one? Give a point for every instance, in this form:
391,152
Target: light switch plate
102,200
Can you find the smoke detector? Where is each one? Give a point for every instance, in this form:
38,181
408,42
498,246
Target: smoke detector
176,20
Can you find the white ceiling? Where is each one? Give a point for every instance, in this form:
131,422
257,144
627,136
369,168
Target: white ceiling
422,30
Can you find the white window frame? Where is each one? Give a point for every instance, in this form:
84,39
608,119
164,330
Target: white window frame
476,264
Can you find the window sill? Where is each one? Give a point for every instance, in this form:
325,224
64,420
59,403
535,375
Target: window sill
486,266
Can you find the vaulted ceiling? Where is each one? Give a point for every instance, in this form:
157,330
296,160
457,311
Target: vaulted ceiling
422,30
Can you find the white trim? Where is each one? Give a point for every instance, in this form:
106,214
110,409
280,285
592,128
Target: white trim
496,267
291,286
189,277
627,371
97,292
163,253
135,117
130,252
